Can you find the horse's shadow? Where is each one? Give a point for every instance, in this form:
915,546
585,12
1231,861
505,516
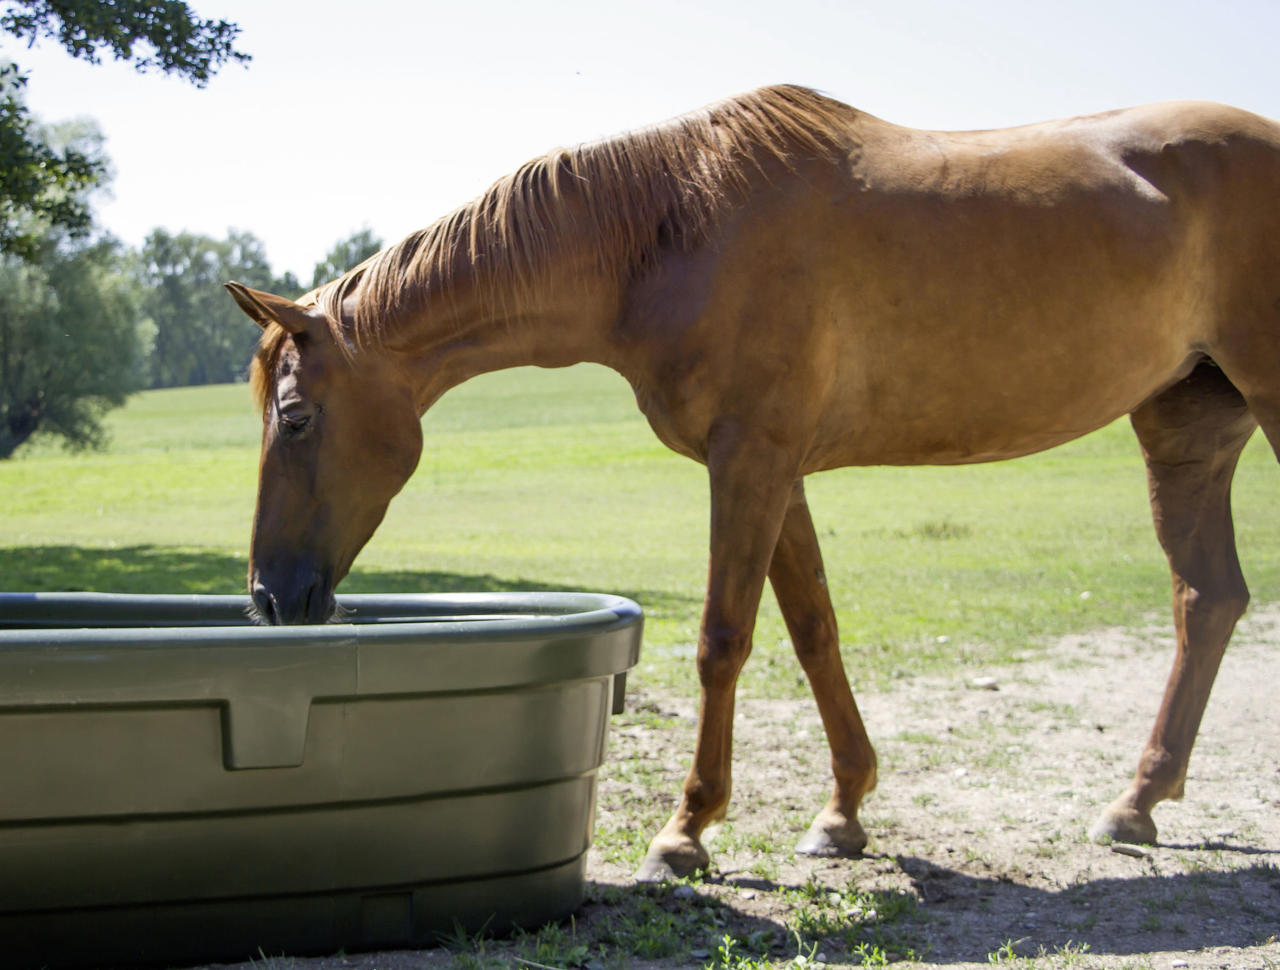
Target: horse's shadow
959,917
971,917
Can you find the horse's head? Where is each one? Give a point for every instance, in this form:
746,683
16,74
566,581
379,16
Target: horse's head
340,437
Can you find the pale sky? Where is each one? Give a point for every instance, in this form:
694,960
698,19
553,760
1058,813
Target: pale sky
387,114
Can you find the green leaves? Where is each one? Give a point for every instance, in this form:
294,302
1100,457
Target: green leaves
164,35
41,186
201,337
70,347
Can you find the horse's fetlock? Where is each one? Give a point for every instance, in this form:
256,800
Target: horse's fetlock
855,777
705,802
1160,775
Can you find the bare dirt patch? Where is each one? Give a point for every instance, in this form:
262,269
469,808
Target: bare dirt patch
985,796
978,850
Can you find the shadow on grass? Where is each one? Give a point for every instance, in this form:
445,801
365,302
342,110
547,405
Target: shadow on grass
164,569
956,917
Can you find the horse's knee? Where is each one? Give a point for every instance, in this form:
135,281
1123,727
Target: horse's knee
1210,614
721,653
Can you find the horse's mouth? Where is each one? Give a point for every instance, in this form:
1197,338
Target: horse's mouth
316,605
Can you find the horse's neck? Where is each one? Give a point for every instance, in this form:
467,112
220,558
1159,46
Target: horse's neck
563,320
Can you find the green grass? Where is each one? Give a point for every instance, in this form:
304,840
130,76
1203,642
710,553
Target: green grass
551,479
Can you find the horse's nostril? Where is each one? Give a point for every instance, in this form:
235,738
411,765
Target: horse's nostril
265,605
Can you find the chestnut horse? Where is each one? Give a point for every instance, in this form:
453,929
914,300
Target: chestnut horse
791,285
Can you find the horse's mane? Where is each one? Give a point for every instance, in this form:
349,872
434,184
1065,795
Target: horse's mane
626,196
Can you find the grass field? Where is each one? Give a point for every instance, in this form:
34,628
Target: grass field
551,479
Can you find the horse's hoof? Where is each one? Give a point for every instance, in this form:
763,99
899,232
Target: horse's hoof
831,834
1120,823
670,859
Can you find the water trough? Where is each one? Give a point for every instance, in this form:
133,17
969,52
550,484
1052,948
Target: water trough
180,785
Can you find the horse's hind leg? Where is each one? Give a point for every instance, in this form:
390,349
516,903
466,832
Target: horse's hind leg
1191,436
800,585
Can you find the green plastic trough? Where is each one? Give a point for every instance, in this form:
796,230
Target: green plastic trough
177,785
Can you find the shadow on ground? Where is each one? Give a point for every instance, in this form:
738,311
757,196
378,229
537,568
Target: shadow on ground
959,918
164,569
971,917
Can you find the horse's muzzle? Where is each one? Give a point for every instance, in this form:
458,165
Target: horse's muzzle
306,603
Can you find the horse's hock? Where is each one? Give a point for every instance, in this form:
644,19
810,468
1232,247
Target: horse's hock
180,785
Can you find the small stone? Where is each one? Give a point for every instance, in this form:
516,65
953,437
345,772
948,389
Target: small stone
748,894
1124,848
960,772
1178,963
984,683
684,892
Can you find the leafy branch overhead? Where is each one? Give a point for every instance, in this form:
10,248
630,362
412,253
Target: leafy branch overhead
174,39
39,183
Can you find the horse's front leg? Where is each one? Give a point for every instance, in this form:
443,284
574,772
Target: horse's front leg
801,587
750,484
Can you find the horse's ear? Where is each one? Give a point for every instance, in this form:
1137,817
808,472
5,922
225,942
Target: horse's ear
267,308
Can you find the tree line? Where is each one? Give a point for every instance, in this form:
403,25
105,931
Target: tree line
85,320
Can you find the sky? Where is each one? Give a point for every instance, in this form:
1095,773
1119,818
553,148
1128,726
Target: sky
386,114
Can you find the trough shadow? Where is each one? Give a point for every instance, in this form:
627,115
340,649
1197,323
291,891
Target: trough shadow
164,569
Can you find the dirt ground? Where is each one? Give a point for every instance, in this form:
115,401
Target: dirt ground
985,796
980,816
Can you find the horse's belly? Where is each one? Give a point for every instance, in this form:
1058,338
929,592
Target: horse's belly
978,347
952,414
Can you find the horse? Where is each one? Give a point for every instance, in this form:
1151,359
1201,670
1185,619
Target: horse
790,285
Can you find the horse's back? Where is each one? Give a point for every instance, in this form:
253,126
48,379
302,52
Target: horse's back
1041,281
1197,141
943,297
996,293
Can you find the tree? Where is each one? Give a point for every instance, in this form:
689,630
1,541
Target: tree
70,346
201,337
345,254
163,35
39,185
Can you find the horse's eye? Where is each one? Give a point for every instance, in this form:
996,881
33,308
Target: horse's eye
296,424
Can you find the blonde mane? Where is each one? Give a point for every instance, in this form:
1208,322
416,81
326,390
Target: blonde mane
629,196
